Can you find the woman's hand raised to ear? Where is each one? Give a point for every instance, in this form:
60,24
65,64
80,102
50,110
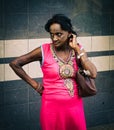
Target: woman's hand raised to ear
73,43
86,63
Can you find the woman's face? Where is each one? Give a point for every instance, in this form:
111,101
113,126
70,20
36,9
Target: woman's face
58,36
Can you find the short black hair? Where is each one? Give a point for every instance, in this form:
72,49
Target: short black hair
61,19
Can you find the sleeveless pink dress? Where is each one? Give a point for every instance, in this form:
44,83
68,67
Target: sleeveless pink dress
59,110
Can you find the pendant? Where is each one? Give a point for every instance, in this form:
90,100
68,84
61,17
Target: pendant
69,85
66,71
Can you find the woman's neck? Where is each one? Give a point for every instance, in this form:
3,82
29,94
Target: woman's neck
64,47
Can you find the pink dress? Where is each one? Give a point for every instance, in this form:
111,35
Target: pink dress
59,110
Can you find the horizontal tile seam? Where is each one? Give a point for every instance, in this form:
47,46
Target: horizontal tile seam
101,73
90,54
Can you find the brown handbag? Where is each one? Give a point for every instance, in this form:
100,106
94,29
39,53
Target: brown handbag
86,84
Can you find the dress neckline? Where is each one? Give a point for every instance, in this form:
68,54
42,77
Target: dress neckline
66,70
58,59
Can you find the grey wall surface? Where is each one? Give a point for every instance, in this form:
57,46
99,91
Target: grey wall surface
20,19
26,18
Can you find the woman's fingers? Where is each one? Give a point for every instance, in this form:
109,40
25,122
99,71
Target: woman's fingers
73,41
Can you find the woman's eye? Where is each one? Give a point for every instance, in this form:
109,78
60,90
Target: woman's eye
59,34
56,34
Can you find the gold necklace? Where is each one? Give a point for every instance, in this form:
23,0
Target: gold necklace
66,70
66,67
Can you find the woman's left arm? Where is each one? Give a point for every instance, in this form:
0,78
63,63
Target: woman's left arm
82,55
86,63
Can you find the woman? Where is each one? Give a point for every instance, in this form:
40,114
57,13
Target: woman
61,107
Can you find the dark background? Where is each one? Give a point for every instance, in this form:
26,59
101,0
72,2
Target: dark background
26,18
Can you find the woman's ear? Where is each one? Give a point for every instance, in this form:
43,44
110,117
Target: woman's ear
70,35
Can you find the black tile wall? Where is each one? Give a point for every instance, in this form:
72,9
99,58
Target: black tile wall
34,112
110,116
2,29
33,96
14,6
1,96
34,4
36,25
106,24
20,104
26,18
112,25
13,97
94,119
98,108
87,23
16,113
16,26
16,21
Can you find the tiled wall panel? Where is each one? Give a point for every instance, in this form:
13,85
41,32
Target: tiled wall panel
14,48
111,42
101,63
9,73
100,43
2,49
2,72
85,42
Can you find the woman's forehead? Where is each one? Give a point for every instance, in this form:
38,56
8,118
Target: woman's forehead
55,27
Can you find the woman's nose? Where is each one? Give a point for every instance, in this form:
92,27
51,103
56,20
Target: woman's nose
55,38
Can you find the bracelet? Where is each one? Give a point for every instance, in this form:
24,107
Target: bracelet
81,54
38,89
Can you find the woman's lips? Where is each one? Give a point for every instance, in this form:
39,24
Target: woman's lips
55,43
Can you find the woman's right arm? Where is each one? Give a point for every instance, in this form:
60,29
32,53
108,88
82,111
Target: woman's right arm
19,62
